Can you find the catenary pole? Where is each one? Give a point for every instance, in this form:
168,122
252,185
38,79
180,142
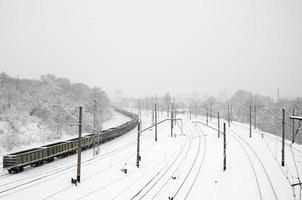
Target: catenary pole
79,146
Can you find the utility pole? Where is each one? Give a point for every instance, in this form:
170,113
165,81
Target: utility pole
224,147
79,146
168,110
207,116
95,130
155,110
283,137
218,118
293,139
79,122
138,157
229,122
250,118
255,117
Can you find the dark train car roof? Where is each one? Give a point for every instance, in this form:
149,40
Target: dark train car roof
25,151
53,144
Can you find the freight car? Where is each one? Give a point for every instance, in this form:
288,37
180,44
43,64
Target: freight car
16,162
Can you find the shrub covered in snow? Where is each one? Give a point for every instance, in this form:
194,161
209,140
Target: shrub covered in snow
28,114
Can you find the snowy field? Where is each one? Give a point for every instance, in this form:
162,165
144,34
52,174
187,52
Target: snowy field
186,166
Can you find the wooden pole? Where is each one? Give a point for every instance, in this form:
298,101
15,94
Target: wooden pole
224,147
79,146
283,137
138,157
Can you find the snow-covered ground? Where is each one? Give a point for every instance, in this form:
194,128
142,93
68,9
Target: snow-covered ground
116,120
186,166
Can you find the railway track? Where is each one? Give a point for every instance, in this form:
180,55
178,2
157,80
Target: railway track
252,165
199,169
163,174
289,148
177,168
236,135
60,169
190,171
299,152
276,138
250,162
54,174
200,166
101,171
259,160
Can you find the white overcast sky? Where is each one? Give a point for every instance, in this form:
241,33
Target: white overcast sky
147,47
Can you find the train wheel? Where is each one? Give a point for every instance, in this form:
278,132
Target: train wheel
11,171
20,169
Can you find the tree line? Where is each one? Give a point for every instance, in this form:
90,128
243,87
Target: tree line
28,113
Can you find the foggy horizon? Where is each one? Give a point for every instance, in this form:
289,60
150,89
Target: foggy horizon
148,48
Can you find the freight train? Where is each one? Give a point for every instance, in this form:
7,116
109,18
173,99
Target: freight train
15,162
